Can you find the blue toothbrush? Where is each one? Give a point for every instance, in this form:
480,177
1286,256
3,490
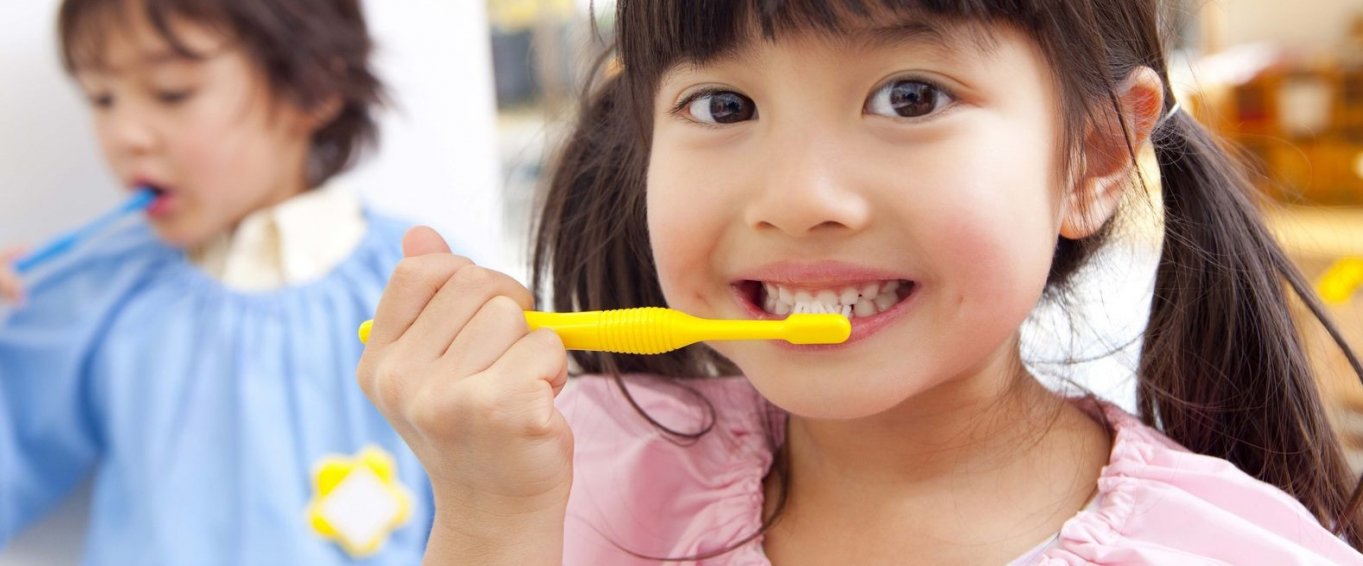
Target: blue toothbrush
138,203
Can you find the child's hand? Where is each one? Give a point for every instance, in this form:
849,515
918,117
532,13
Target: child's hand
452,365
11,286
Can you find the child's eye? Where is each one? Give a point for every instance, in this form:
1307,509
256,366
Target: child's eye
907,98
173,97
102,101
719,107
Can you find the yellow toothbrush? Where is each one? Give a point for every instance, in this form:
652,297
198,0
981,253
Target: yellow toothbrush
655,330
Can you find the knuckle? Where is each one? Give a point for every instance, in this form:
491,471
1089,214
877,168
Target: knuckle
386,387
505,309
428,416
547,342
426,270
475,278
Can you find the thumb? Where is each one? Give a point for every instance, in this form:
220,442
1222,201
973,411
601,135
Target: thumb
423,240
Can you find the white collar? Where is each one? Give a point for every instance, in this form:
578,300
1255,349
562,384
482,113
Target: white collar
293,242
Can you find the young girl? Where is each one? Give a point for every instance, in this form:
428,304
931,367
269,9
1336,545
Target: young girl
197,362
938,168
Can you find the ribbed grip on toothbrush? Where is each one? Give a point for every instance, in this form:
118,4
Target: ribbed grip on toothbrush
647,330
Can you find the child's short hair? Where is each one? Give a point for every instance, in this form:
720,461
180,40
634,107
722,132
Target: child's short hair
308,51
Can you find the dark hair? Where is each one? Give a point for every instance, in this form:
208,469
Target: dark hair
309,51
1223,370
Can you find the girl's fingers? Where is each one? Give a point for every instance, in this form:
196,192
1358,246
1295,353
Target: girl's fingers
427,265
538,356
423,240
414,282
498,325
454,306
11,285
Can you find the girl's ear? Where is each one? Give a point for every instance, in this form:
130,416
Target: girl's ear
322,113
1106,158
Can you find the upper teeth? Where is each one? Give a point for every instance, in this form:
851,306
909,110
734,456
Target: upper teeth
862,300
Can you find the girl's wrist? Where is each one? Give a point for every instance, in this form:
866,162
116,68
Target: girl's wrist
464,534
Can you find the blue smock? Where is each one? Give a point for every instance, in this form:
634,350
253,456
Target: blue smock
200,410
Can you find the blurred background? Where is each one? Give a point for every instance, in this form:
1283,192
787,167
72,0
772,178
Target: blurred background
484,89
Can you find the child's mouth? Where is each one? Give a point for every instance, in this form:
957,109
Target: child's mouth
855,300
164,199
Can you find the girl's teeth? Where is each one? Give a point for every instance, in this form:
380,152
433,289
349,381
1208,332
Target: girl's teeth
829,300
864,308
849,296
884,301
867,300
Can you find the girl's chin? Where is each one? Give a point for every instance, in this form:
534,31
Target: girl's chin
832,401
178,237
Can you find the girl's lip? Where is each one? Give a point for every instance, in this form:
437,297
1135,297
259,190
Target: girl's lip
162,206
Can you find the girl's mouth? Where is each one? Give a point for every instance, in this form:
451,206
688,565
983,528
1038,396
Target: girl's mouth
164,203
870,305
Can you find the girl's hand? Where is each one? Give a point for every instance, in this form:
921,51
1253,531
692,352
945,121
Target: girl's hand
452,365
11,286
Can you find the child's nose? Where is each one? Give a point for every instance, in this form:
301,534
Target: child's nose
806,187
128,132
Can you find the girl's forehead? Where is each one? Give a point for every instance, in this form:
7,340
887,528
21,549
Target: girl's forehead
125,37
143,48
949,43
654,36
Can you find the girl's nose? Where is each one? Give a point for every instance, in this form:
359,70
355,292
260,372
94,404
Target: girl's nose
128,132
807,188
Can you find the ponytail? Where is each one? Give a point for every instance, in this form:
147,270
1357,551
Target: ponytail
1223,370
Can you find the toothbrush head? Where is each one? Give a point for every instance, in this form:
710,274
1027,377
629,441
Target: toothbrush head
817,329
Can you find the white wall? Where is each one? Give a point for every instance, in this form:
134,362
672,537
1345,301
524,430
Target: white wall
437,165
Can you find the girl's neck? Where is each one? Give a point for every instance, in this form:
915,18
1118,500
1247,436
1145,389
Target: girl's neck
992,463
974,422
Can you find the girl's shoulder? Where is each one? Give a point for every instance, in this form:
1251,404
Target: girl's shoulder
641,492
1158,503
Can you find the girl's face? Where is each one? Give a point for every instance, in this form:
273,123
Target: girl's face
206,133
909,176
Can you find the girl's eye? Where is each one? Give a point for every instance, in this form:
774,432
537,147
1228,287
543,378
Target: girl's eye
173,97
722,107
907,98
102,101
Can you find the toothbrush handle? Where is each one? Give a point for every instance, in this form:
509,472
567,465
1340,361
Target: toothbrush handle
62,244
648,330
656,330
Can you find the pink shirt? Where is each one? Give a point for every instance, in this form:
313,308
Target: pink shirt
636,490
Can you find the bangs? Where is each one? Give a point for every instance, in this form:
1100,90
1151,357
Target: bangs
85,26
655,35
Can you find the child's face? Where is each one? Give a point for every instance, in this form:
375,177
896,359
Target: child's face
918,175
207,133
